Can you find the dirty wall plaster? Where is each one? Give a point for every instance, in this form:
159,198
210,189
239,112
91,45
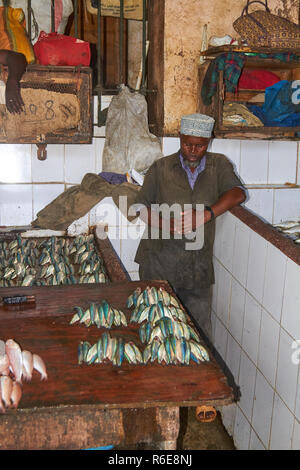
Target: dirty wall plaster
184,21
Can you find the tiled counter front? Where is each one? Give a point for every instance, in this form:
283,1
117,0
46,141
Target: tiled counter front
256,324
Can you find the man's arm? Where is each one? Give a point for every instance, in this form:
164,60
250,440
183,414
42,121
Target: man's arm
16,64
226,201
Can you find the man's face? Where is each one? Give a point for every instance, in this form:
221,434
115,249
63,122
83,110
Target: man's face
193,148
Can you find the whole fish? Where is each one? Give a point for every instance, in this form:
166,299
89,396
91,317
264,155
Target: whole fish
4,364
27,365
287,224
6,385
39,365
14,354
295,230
16,394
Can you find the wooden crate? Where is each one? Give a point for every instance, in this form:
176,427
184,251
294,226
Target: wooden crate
285,70
58,107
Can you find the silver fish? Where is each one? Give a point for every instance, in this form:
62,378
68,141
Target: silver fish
287,224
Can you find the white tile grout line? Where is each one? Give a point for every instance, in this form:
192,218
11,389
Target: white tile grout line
268,168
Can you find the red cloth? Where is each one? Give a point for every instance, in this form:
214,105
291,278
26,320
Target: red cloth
252,79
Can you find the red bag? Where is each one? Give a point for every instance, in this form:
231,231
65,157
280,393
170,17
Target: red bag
257,79
57,49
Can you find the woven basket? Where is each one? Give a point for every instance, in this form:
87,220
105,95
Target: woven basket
263,29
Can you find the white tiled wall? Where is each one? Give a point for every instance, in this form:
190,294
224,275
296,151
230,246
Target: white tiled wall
257,343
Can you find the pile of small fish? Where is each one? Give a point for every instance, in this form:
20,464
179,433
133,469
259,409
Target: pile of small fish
290,228
52,261
102,315
111,349
21,365
164,328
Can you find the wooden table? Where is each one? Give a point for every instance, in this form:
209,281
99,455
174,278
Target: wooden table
82,406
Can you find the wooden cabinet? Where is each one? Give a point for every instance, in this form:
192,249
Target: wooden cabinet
284,70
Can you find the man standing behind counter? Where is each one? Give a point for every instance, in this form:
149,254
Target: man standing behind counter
192,176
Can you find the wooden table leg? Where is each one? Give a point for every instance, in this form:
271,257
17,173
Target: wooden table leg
153,427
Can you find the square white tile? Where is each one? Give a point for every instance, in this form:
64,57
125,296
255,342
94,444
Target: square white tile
261,203
241,435
296,436
237,311
282,162
286,204
241,252
233,357
297,359
282,426
220,338
44,194
217,269
51,169
255,442
231,148
256,265
247,385
251,329
262,409
287,371
291,300
170,145
228,413
15,204
298,166
225,239
254,161
15,161
224,290
274,281
134,276
80,159
268,347
99,153
129,245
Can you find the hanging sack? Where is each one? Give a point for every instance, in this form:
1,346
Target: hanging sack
133,9
58,49
263,29
13,35
128,142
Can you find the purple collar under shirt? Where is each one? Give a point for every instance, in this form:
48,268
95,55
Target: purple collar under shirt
192,176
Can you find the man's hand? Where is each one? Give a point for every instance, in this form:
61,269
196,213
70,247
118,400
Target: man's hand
13,98
190,220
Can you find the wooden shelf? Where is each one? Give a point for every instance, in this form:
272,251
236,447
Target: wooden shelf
285,71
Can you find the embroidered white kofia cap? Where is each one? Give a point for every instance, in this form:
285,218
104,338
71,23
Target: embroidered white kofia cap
198,125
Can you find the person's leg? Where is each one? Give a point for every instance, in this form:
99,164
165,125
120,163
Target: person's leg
198,306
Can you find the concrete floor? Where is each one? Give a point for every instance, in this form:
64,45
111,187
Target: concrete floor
202,436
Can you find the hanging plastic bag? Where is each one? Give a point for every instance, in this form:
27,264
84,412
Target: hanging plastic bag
128,143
